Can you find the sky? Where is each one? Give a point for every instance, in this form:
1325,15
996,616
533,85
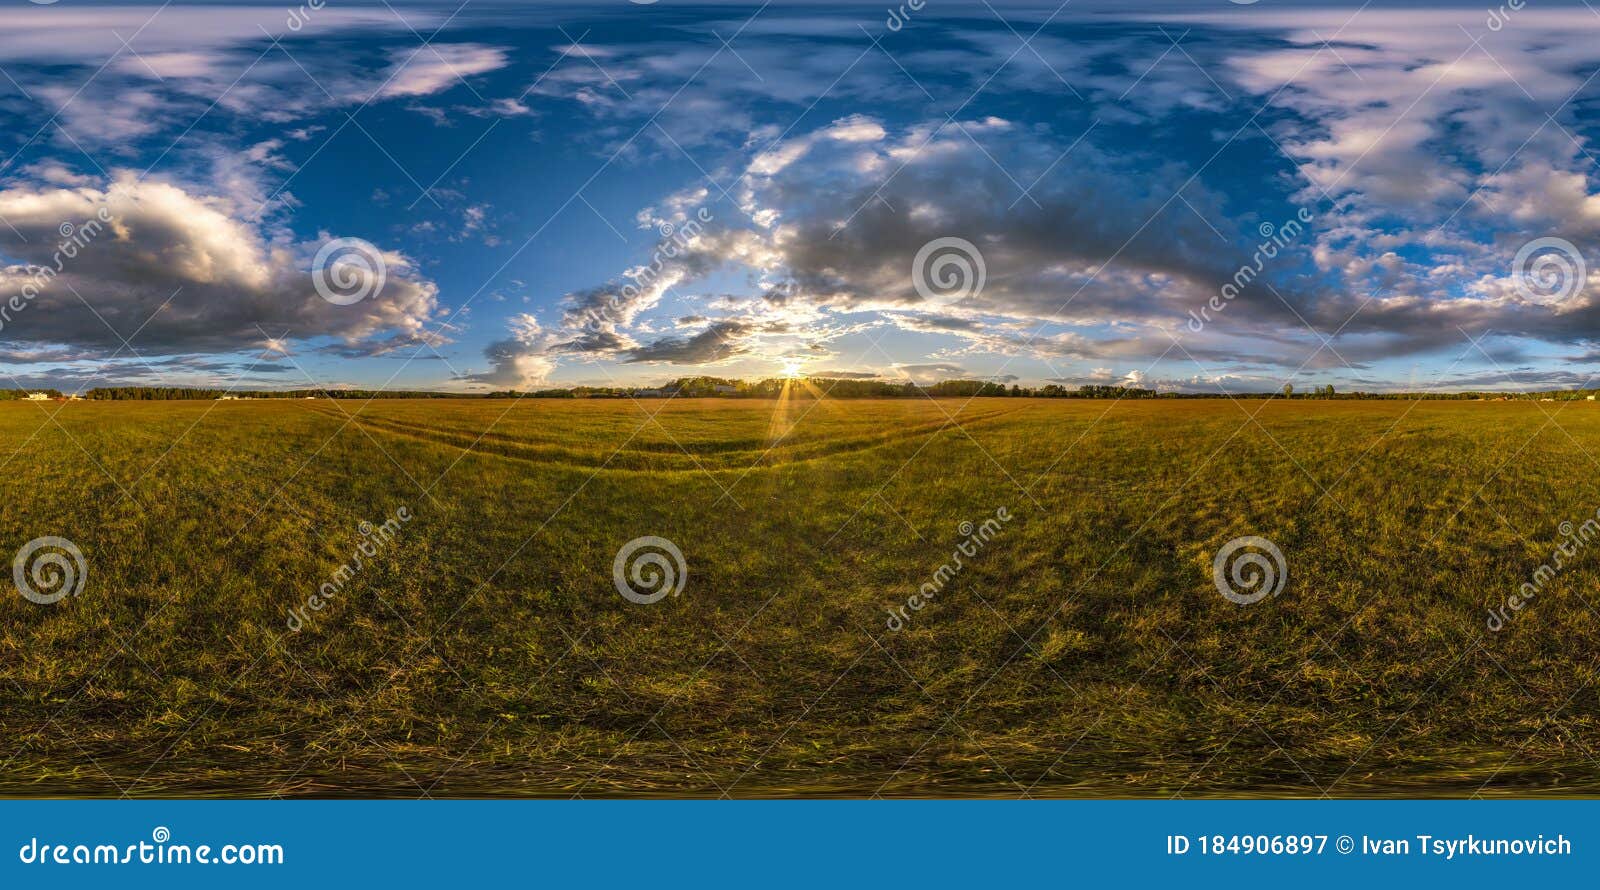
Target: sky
1201,196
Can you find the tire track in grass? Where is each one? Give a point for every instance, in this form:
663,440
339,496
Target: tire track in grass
651,460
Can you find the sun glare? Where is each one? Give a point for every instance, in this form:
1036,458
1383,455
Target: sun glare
791,368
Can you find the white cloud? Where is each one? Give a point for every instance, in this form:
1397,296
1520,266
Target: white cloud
436,68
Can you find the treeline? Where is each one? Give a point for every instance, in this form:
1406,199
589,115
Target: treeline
833,387
841,388
808,387
722,387
170,393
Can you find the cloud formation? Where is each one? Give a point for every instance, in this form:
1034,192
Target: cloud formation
174,271
1426,161
1131,168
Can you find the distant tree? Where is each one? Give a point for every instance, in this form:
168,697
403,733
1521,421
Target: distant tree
1288,390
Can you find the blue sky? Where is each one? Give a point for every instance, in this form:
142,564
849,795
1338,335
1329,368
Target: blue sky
1184,196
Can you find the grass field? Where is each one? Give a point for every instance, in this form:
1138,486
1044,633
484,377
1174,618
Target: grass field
484,648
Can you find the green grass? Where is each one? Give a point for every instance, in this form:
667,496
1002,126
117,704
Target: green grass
1084,651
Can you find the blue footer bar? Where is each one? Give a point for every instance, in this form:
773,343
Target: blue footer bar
793,843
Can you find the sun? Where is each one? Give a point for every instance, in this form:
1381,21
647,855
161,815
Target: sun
791,368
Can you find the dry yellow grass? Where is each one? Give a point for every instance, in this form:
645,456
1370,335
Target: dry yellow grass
1083,651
